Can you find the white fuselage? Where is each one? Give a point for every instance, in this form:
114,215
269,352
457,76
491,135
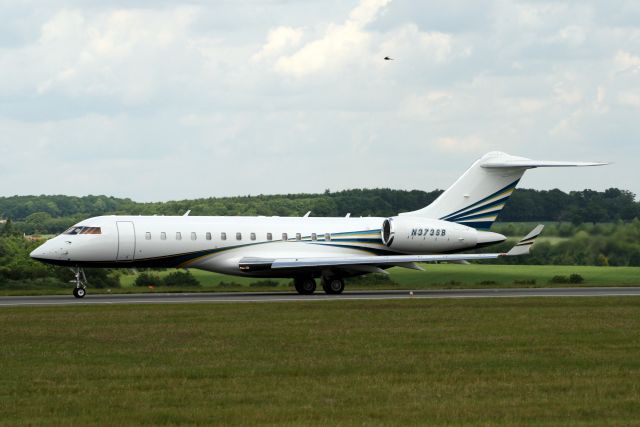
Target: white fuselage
218,243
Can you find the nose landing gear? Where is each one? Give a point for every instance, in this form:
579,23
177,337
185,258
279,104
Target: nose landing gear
81,283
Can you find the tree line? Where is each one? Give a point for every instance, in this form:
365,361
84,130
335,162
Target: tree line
52,214
615,244
584,228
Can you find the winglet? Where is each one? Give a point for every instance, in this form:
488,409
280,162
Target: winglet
524,246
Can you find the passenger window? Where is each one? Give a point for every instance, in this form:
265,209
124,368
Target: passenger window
147,236
314,236
223,236
238,236
298,236
253,236
163,236
327,236
178,236
285,237
194,236
208,236
269,236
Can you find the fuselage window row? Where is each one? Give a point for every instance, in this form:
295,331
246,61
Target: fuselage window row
252,236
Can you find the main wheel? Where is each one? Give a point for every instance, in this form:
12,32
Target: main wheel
79,292
305,286
333,286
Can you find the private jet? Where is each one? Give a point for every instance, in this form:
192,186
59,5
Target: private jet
306,248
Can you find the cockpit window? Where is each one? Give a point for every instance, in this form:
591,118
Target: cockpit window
83,230
73,230
91,230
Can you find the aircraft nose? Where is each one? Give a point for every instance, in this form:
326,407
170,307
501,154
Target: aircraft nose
50,250
40,252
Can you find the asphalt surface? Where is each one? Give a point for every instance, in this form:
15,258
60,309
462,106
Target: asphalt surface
97,299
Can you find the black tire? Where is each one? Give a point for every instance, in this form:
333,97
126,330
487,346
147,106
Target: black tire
79,292
305,286
333,286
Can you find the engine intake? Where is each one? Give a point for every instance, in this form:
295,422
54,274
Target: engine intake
388,231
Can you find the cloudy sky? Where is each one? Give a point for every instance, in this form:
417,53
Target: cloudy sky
158,100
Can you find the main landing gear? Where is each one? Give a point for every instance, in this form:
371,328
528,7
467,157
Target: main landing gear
81,283
305,285
330,285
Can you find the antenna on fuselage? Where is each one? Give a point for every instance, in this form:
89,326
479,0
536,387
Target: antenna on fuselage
187,213
307,215
348,215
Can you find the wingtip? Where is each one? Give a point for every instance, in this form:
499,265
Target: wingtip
523,247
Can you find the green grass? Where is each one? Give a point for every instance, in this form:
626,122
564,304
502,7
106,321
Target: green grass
452,275
438,362
436,276
456,275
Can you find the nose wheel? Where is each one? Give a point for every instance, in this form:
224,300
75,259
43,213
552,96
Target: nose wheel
81,283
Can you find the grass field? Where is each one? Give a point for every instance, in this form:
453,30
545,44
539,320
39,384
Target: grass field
438,362
451,276
436,276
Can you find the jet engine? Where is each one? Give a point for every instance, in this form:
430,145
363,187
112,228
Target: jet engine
423,235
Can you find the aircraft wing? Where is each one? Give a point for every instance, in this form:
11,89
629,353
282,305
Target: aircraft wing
251,263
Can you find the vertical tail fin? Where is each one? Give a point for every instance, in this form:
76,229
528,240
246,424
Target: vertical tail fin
478,196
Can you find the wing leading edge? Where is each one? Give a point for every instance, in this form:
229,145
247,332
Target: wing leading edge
250,263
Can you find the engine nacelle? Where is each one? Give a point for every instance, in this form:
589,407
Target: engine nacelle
424,236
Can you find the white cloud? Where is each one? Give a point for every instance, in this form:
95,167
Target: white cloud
127,54
366,12
630,99
465,144
565,93
428,106
572,35
116,97
626,62
409,42
280,38
340,43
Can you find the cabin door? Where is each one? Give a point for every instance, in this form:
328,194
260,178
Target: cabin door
126,241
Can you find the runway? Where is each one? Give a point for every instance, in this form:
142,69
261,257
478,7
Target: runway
264,297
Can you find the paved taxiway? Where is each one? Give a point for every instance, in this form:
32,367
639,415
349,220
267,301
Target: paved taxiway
164,298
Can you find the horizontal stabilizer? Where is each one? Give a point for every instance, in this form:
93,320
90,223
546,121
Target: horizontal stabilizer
524,246
530,164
